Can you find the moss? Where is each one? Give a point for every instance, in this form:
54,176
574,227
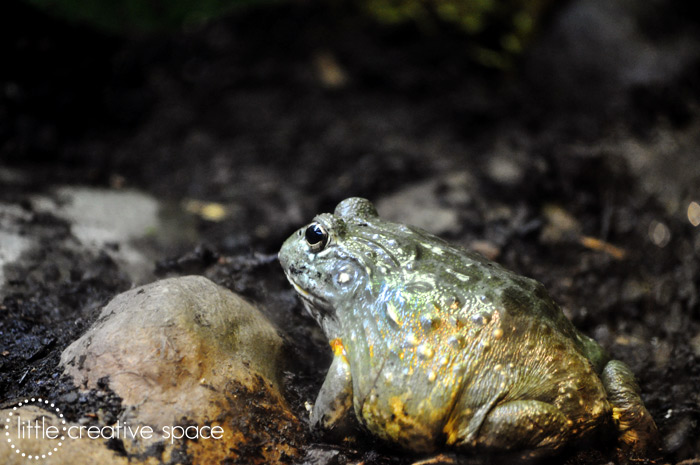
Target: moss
501,29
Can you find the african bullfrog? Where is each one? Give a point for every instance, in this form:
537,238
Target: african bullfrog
435,346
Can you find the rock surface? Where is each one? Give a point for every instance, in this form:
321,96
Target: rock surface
420,205
70,452
185,351
101,218
12,242
121,224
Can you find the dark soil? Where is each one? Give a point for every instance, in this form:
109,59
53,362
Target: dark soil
236,113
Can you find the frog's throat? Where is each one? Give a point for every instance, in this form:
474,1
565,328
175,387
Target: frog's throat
325,317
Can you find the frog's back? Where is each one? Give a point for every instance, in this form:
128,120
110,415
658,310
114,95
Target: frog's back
423,277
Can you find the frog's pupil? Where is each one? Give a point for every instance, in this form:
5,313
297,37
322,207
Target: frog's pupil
316,235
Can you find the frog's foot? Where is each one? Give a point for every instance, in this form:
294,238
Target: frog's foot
516,425
440,459
636,427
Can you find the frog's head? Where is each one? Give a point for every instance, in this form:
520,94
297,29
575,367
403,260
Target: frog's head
330,261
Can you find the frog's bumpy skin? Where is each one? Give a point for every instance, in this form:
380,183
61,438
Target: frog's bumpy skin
436,346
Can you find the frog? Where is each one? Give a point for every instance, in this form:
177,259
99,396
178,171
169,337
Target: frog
435,347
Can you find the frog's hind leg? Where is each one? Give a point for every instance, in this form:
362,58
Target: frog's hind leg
636,427
515,425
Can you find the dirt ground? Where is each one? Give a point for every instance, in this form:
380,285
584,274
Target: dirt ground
578,168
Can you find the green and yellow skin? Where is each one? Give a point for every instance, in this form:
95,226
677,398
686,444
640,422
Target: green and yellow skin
437,346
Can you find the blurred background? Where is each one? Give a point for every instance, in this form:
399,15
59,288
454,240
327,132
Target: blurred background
147,138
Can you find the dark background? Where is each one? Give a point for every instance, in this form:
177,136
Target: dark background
597,119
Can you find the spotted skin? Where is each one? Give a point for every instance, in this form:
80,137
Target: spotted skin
436,346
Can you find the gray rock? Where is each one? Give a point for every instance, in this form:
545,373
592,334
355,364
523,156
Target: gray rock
431,205
12,242
100,218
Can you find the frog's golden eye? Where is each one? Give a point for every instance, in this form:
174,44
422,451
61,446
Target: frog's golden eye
316,236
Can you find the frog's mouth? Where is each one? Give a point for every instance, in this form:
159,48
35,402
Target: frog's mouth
319,308
301,291
318,304
315,305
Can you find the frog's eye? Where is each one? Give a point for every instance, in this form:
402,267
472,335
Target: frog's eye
316,236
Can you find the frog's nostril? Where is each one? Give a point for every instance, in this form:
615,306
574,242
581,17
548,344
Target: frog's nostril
294,270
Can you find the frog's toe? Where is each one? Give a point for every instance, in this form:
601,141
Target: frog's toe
440,459
635,425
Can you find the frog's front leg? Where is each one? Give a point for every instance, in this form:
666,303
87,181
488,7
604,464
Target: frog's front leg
636,427
333,407
520,424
